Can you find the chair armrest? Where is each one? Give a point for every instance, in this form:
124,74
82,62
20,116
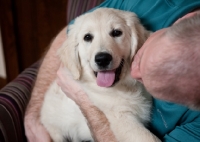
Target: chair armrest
14,98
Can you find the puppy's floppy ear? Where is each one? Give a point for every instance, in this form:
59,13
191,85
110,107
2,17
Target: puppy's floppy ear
69,54
138,33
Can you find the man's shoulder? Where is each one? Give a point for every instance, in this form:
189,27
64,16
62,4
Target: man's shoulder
166,116
177,110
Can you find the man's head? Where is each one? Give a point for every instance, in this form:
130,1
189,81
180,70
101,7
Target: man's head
168,64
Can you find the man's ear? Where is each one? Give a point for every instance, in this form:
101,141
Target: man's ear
69,54
137,31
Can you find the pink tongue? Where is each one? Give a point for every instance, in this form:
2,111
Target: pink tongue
106,78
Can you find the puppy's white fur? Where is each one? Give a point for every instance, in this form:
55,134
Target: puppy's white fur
125,104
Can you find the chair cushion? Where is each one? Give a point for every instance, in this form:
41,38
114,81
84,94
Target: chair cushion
13,100
77,7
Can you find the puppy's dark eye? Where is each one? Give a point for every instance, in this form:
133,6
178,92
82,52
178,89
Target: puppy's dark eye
88,37
115,33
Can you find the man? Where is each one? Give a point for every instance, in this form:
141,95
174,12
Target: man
173,73
154,15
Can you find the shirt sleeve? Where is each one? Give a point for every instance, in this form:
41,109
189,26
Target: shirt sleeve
189,132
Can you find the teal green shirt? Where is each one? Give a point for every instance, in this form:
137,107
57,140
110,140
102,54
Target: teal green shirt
170,122
175,123
154,14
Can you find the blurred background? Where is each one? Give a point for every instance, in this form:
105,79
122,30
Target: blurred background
27,28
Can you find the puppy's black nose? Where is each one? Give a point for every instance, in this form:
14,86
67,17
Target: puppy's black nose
103,59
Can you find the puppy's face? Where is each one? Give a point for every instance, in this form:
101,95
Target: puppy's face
101,45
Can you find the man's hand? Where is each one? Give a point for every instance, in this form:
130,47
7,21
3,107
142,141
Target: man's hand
35,131
69,86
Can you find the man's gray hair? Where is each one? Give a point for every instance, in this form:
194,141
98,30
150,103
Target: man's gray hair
181,66
187,31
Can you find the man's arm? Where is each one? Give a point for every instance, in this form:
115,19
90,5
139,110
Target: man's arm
35,132
97,121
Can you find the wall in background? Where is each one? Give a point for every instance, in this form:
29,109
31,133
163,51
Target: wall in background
27,28
2,61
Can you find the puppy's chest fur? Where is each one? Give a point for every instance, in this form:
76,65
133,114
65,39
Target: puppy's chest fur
123,104
120,98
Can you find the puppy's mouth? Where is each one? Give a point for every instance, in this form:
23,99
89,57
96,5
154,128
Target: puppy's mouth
108,78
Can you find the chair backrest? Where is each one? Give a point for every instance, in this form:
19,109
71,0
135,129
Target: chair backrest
78,7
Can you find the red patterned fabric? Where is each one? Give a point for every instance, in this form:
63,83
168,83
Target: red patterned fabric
13,101
78,7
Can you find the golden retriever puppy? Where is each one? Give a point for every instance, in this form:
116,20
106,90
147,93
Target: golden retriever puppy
98,52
